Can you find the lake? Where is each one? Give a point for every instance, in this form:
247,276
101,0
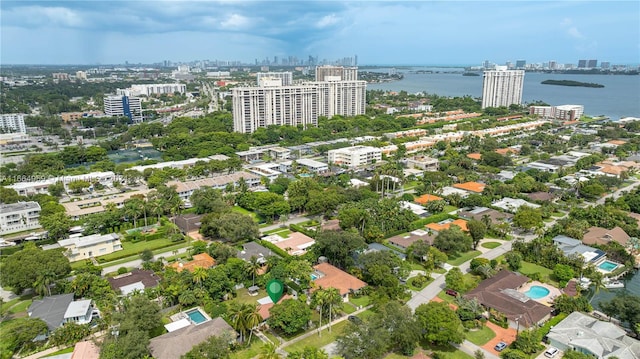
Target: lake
619,98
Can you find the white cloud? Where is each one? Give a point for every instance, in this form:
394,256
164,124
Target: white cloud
574,32
235,21
566,21
327,20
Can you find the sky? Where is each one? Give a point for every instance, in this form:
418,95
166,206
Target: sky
378,32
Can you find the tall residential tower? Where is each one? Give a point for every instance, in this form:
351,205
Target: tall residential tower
502,87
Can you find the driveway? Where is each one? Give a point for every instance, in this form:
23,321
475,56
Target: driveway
507,335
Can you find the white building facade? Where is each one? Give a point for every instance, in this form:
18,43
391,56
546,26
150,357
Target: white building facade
502,87
355,156
336,73
17,217
286,77
345,98
123,105
255,107
157,89
562,112
12,122
87,247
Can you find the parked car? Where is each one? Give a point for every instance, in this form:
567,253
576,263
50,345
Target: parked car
451,292
500,346
355,320
551,352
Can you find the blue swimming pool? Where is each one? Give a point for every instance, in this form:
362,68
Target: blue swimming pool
196,316
314,276
537,292
608,266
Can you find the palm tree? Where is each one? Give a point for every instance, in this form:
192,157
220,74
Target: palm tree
318,300
252,319
269,351
253,266
200,275
334,299
238,318
156,207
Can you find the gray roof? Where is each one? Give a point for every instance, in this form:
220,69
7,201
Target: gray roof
377,247
253,249
51,309
179,342
570,246
603,339
19,206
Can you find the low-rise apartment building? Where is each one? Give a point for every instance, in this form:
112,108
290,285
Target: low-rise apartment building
17,217
355,156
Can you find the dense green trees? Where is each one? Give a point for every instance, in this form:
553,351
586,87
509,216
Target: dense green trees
626,308
528,218
29,264
477,230
289,316
440,324
231,226
375,218
338,247
453,241
454,279
20,332
216,347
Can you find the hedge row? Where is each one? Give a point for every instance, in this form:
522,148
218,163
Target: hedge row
274,248
303,230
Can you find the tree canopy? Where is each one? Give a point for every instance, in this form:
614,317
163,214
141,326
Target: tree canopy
28,264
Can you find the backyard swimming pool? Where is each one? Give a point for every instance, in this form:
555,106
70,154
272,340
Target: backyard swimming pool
537,292
608,266
196,316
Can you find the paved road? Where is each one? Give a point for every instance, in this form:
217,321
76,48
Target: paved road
138,262
619,192
470,348
291,220
7,295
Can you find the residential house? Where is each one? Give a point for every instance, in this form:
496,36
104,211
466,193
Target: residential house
501,294
424,163
426,198
377,247
513,204
253,249
417,209
593,337
599,235
446,224
137,279
95,245
202,260
96,204
57,310
479,213
472,187
404,241
448,191
189,224
542,196
331,225
177,343
327,276
476,156
296,244
571,247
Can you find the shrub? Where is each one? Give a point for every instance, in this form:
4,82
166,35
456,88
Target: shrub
123,270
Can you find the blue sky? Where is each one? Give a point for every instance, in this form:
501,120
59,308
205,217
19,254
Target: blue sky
385,32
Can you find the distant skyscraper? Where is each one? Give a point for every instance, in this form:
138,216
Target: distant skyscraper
553,65
502,87
287,77
605,65
486,64
336,73
582,64
592,64
520,64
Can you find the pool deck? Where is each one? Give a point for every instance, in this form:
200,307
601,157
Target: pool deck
183,315
606,271
546,300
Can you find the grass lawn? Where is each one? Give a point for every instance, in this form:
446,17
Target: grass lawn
547,220
446,297
181,244
63,351
490,245
20,307
480,336
461,258
244,297
449,208
348,308
360,301
282,232
440,271
130,248
529,268
249,352
241,210
9,304
557,214
447,352
415,266
316,341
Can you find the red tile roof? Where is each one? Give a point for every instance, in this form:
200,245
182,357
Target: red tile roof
333,277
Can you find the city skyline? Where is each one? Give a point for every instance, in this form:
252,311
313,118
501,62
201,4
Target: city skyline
401,33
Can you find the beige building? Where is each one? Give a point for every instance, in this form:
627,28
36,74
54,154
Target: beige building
336,73
502,87
87,247
355,156
79,209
